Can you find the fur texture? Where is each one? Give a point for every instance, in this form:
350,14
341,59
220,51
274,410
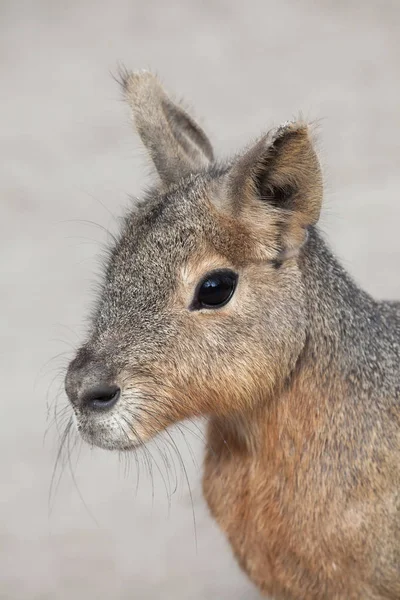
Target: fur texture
299,374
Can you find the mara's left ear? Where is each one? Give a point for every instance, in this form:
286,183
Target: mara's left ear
175,142
279,181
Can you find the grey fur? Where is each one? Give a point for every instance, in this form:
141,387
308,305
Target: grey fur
303,328
176,144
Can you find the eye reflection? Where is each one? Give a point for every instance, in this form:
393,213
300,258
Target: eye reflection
215,289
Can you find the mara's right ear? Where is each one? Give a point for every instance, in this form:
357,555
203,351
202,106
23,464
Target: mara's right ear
176,144
276,186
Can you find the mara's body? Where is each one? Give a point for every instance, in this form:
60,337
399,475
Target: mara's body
307,488
221,299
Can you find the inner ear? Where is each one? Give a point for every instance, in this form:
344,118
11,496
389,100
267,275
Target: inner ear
186,131
278,180
278,196
177,145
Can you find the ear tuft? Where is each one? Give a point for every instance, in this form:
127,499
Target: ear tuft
139,87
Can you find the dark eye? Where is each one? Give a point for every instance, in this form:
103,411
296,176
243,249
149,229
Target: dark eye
215,290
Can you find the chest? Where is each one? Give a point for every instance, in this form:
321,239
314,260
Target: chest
290,548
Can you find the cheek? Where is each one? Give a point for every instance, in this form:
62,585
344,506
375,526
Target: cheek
213,371
156,400
231,363
219,361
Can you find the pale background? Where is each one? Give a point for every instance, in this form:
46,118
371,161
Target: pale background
67,155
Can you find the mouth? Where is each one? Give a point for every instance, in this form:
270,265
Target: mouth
138,414
110,432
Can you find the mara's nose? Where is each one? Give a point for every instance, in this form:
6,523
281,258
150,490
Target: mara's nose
100,397
90,385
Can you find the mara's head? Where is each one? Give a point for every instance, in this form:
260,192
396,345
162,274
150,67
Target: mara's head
202,308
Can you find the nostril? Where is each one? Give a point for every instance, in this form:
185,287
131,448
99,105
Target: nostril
101,397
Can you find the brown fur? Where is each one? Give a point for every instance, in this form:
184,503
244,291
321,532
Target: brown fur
298,374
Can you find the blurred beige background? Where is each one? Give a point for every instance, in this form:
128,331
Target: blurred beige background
68,156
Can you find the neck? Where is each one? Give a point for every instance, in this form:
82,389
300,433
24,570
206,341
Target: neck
341,316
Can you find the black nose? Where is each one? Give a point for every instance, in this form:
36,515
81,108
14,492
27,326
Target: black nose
101,397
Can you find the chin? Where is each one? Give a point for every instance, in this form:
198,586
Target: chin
106,442
111,433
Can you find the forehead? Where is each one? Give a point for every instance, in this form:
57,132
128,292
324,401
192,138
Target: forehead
155,241
167,227
168,236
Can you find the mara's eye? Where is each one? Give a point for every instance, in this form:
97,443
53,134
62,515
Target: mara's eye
215,290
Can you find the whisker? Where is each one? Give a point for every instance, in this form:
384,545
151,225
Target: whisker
152,458
72,472
93,224
189,447
112,215
128,441
150,413
187,483
55,481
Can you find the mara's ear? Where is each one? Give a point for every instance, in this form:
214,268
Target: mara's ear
176,144
279,179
